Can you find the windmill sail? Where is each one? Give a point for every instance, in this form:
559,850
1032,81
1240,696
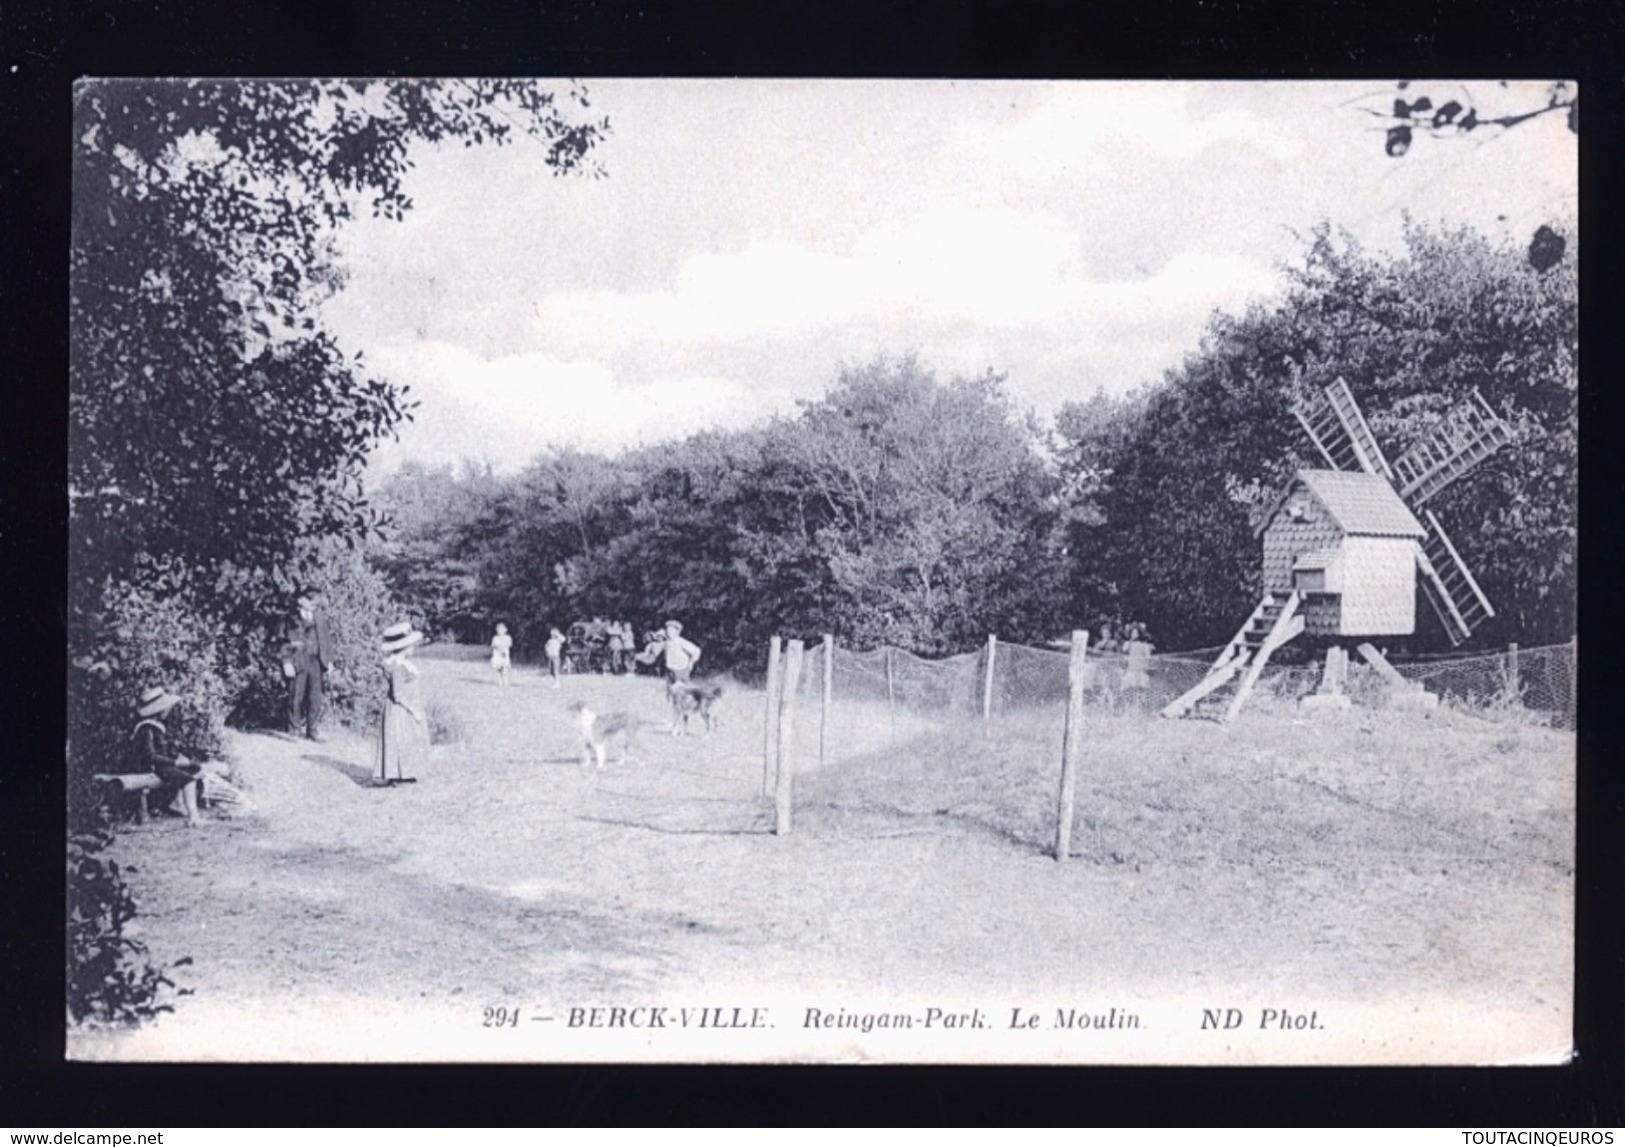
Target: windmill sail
1450,587
1468,434
1339,431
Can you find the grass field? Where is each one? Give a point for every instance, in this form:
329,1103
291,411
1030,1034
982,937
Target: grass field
1409,873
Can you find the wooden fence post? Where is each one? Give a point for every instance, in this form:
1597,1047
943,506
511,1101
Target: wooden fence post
1512,670
1071,744
787,709
891,698
829,678
770,745
987,681
1574,681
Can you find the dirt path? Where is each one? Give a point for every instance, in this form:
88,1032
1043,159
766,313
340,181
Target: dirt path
347,921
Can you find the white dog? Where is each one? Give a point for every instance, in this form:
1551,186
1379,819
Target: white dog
599,729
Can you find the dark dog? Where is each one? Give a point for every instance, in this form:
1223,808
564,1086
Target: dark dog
691,699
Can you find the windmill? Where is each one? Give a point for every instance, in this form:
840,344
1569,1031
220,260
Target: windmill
1346,547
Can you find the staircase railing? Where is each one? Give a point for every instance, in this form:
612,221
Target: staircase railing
1287,626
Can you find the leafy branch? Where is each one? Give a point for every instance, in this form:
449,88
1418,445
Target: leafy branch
1407,117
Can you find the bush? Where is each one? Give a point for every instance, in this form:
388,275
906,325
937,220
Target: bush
444,725
162,633
144,639
111,979
170,631
357,606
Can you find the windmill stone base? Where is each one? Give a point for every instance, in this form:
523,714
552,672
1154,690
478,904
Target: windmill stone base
1413,698
1330,694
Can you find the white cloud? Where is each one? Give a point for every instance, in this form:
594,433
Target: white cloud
992,269
1191,283
1152,118
502,410
754,236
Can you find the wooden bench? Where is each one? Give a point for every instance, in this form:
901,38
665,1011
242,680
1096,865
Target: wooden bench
213,779
117,786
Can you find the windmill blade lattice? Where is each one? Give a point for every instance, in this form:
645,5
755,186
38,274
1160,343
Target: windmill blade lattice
1339,431
1465,437
1449,585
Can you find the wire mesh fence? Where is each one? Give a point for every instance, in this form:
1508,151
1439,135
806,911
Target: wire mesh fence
876,702
880,699
1528,686
884,743
857,703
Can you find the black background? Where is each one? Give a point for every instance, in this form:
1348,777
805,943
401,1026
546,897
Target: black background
44,46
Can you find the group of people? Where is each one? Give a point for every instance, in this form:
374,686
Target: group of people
666,644
1108,640
307,656
621,643
169,779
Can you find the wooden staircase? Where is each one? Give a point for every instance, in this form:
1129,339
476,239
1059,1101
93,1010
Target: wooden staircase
1227,685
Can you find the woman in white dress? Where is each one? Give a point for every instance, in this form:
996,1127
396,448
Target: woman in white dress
400,703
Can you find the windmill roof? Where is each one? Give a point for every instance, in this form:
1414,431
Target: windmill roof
1362,503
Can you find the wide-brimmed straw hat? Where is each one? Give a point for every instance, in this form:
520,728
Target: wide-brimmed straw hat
155,701
400,636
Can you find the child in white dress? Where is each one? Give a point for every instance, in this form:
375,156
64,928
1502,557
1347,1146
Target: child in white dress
502,653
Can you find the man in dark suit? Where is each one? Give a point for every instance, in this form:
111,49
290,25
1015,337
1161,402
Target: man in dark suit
306,657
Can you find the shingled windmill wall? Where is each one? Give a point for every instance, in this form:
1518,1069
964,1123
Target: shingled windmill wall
1301,524
1379,589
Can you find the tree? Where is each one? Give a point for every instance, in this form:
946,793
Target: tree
540,545
212,421
897,508
931,507
216,433
433,543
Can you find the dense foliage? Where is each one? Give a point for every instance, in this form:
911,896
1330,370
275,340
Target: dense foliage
110,978
432,548
216,433
212,420
897,508
904,509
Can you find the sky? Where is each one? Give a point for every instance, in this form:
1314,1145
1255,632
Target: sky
751,238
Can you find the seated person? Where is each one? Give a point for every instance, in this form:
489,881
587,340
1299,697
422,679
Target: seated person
183,784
